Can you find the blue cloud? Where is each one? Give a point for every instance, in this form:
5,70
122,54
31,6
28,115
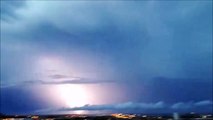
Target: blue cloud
204,103
189,105
138,37
8,9
142,40
135,106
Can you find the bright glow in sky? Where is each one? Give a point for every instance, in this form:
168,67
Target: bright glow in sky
73,95
149,56
56,69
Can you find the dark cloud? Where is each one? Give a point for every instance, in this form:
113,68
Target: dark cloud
81,81
140,39
15,100
56,82
58,76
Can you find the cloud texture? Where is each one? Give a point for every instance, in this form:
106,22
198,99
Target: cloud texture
139,107
150,50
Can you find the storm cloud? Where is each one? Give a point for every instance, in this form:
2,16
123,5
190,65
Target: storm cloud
152,50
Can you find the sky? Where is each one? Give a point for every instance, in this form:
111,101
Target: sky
87,57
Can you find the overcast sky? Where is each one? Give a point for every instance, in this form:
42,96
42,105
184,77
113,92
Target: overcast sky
128,56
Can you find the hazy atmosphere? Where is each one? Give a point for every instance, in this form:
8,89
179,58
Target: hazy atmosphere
106,56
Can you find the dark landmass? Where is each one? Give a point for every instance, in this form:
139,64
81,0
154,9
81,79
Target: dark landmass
119,116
